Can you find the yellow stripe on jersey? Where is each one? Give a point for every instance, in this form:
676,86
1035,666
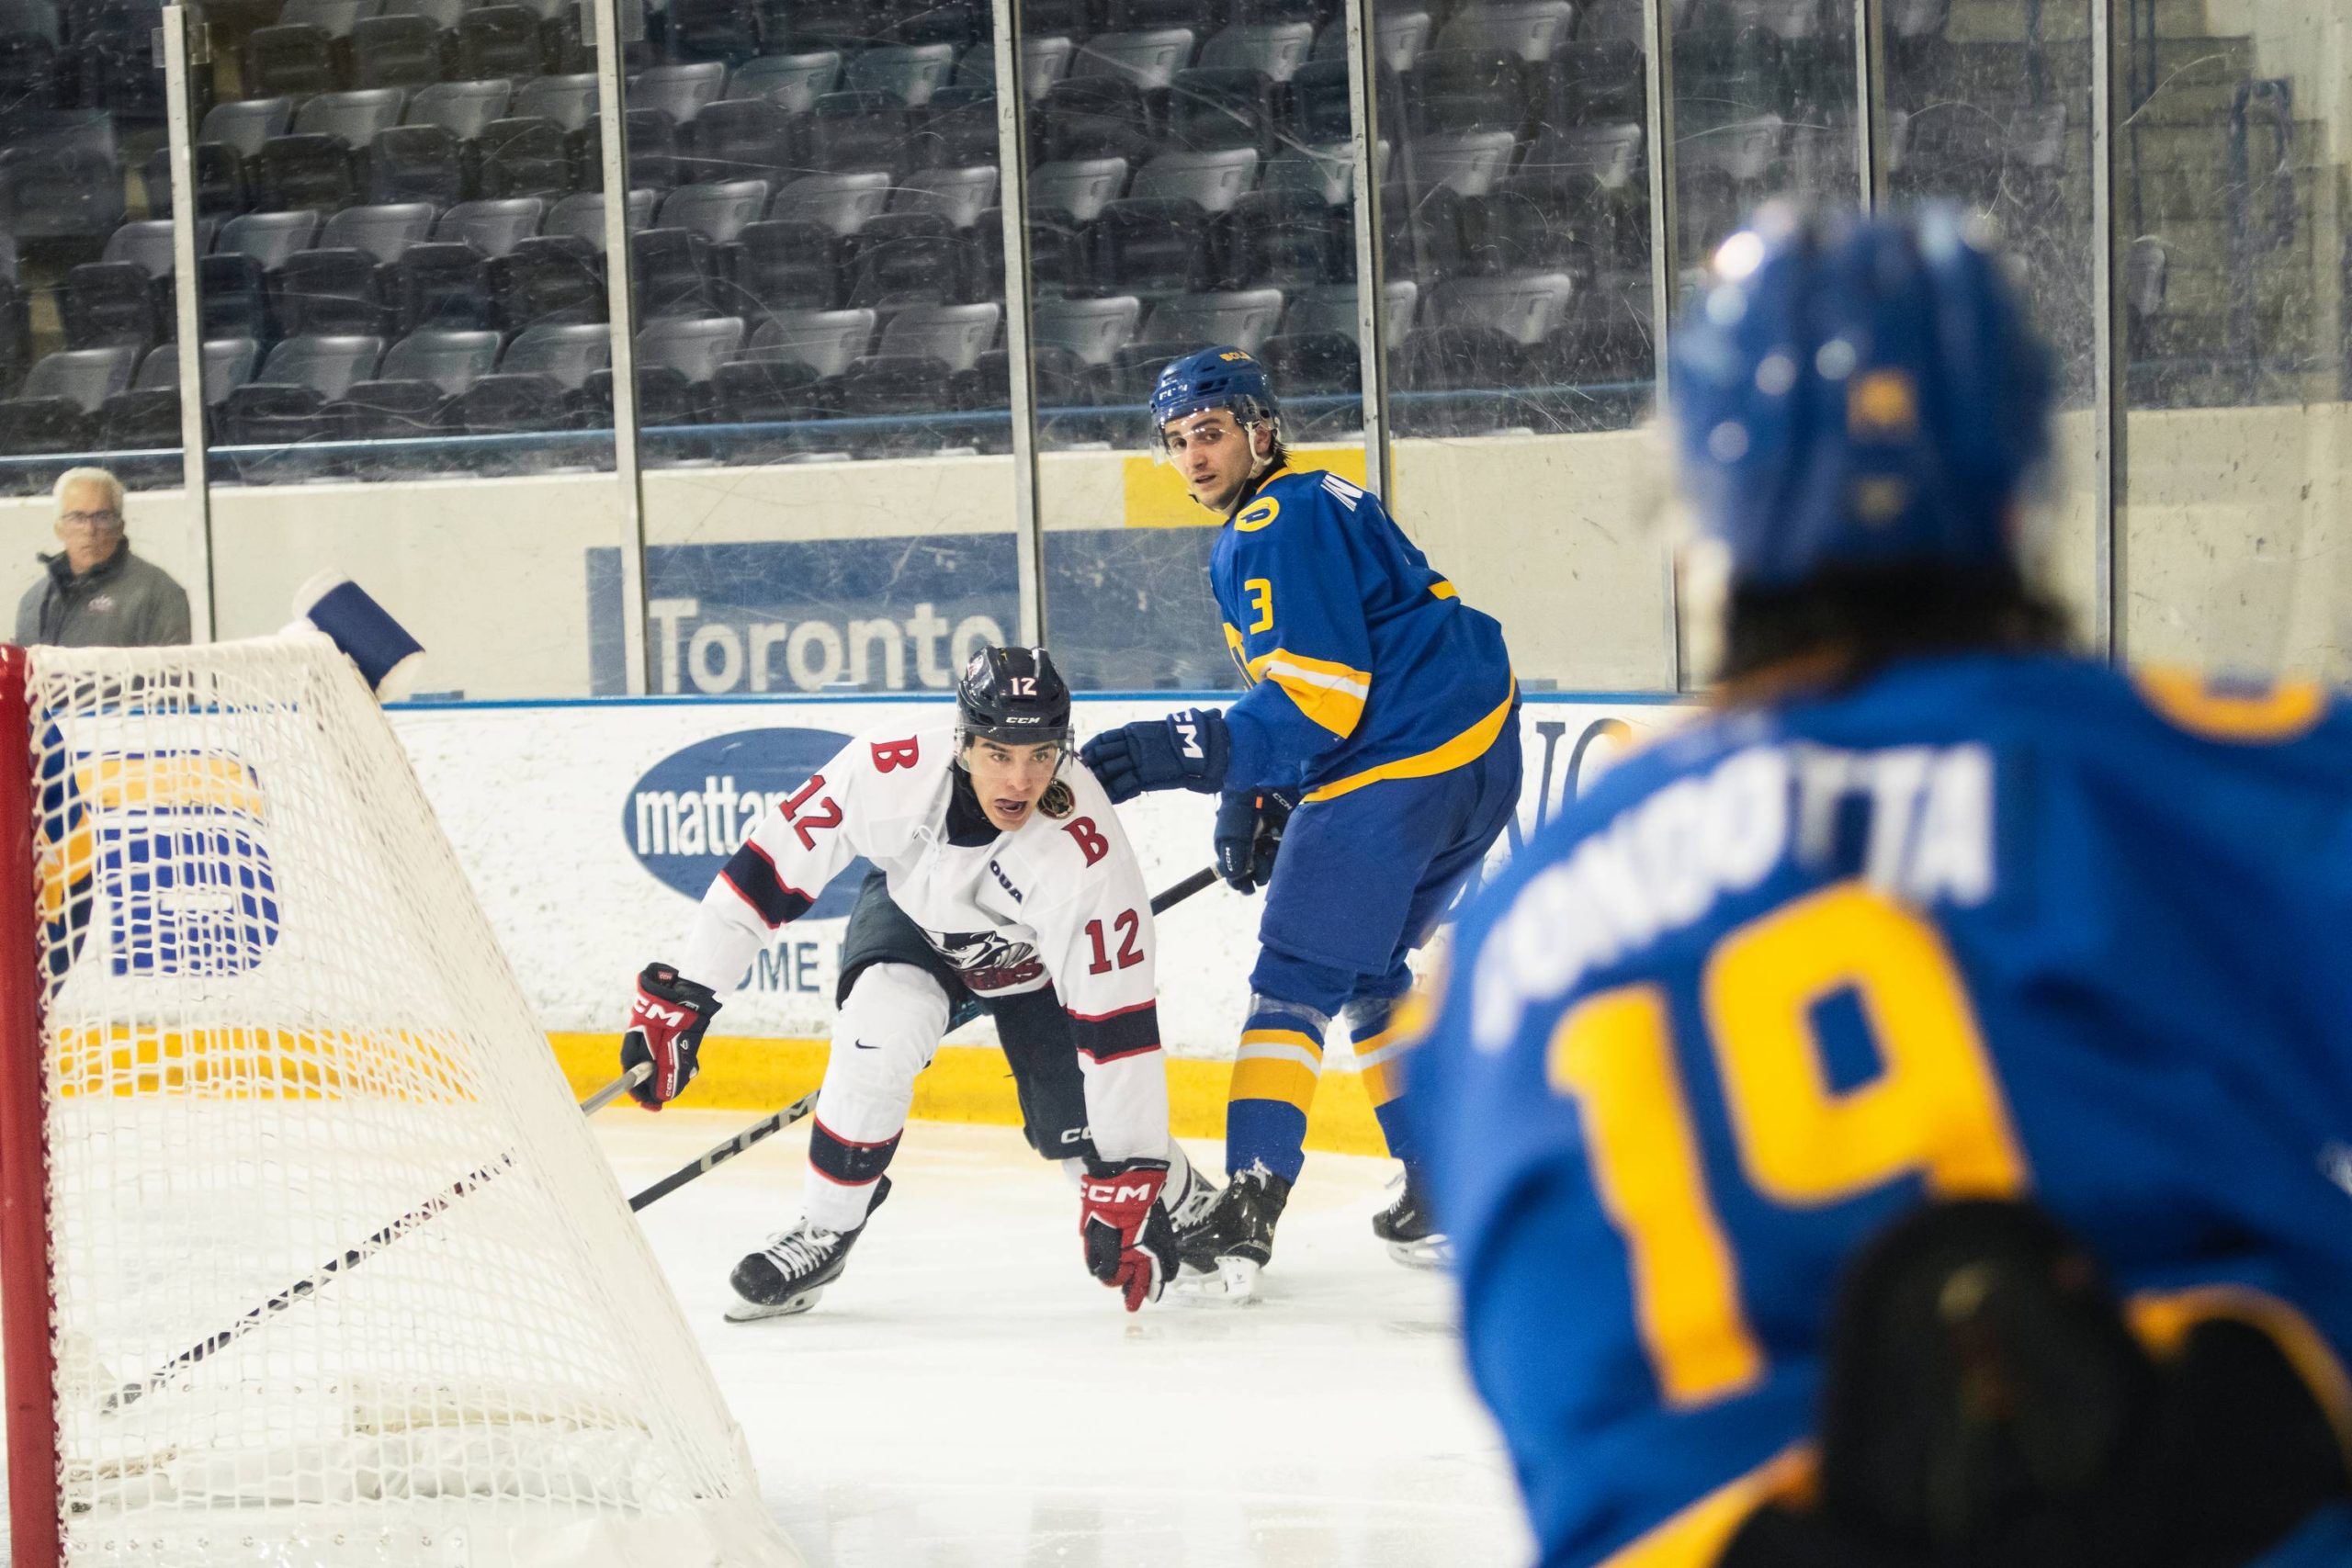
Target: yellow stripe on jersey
2282,712
1442,589
1697,1536
1467,746
1330,693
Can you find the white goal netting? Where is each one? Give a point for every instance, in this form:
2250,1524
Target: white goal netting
340,1275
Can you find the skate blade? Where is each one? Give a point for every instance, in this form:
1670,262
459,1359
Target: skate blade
1234,1283
1429,1252
742,1311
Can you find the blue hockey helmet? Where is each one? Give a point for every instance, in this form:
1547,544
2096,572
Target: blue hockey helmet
1220,378
1858,391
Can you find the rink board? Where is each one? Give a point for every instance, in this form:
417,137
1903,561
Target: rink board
589,830
964,1083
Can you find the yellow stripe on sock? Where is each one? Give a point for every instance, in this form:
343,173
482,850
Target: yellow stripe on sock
1274,1078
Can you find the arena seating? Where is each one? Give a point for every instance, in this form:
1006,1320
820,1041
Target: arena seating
814,227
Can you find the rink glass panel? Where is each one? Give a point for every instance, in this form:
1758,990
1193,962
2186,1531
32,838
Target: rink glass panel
394,201
820,337
1515,231
2230,206
87,369
1989,107
1189,186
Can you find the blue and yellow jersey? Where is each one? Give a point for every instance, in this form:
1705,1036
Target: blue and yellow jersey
1986,925
1363,663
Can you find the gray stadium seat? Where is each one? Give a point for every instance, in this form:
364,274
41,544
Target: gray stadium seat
678,91
792,82
1470,162
717,212
569,101
1402,37
1532,29
960,196
82,377
1079,189
1276,50
1210,181
464,109
581,216
1148,60
841,203
825,341
1044,62
1090,330
954,334
909,73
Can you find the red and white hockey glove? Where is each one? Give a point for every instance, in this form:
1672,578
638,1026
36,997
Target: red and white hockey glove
665,1025
1130,1246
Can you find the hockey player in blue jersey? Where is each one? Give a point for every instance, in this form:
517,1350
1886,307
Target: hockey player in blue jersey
1891,1122
1383,707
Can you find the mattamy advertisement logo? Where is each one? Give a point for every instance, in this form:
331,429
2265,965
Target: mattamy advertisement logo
696,806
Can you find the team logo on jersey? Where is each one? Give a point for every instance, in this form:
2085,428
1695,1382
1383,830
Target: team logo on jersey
1258,513
697,806
1057,802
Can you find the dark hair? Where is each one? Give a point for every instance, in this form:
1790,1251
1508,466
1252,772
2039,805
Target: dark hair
1872,616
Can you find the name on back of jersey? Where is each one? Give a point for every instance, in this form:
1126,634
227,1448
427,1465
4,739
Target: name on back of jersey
1660,864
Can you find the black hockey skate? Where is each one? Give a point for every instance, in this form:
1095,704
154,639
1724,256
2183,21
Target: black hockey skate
1410,1231
1220,1256
791,1271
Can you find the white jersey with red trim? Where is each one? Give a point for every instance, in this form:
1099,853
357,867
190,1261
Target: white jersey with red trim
1057,901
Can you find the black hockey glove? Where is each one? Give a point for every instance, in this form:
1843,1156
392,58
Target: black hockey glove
1130,1246
1250,824
1184,750
665,1025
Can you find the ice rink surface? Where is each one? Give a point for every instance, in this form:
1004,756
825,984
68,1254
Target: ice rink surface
967,1397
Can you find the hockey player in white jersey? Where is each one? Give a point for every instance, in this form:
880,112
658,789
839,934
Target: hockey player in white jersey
1005,883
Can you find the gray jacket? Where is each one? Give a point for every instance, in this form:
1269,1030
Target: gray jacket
123,601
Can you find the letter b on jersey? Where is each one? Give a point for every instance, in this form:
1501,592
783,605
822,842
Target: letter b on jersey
1089,838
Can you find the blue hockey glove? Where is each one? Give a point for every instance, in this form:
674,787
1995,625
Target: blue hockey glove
1184,750
1249,825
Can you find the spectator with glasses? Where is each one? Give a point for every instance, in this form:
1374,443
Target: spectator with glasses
95,594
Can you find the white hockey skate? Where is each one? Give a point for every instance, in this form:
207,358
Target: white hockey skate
785,1277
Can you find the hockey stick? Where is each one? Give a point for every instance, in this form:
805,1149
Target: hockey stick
129,1393
213,1345
719,1155
614,1090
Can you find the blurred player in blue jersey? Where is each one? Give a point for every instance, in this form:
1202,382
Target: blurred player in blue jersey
1891,1123
1384,708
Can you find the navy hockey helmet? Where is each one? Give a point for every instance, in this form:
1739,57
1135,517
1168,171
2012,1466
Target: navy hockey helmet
1012,694
1220,378
1858,391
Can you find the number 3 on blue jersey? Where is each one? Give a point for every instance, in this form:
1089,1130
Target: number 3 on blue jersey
1935,1110
1262,600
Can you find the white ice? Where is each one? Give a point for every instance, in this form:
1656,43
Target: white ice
967,1397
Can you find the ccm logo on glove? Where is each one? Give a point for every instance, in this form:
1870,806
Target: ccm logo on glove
665,1025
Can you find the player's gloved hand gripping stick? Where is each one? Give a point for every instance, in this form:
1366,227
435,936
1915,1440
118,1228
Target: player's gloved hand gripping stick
1250,824
767,1126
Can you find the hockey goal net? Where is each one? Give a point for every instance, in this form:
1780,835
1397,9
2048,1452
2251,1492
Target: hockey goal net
309,1259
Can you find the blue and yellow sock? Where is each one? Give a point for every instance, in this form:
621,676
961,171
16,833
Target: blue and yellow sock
1274,1076
1380,1030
